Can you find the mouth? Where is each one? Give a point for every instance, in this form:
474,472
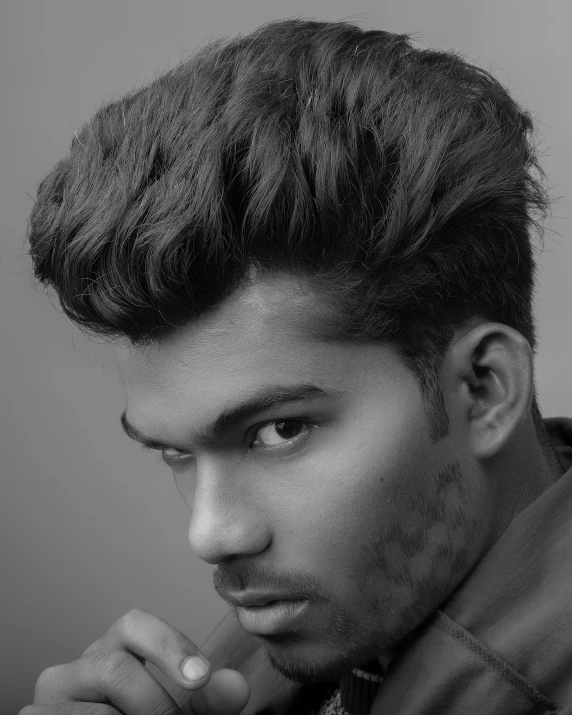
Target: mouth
249,599
264,605
271,617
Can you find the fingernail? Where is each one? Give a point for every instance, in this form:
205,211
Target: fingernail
194,668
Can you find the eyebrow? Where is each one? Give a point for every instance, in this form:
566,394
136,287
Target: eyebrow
259,402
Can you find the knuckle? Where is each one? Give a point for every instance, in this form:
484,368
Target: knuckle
169,643
131,621
113,664
28,710
48,678
134,616
47,675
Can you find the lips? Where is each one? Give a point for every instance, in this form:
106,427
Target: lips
274,617
249,599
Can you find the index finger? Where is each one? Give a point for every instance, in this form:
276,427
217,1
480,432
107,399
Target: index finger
148,637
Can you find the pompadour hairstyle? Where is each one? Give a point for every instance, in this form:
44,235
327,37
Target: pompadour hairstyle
403,183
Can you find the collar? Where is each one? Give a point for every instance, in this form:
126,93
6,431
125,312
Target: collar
503,642
359,688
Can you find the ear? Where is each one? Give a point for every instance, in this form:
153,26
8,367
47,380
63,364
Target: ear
490,381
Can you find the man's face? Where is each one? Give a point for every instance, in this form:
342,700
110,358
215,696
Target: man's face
338,498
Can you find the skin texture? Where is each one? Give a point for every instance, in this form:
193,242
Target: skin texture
353,506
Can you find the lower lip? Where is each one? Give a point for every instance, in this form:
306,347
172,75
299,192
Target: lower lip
272,618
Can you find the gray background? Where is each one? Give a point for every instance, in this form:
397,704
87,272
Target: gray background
91,525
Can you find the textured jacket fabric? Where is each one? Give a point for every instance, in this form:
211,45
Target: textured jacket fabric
502,644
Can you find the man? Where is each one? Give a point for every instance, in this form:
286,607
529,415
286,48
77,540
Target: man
312,249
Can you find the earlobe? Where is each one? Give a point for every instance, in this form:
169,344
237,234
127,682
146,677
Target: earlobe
494,366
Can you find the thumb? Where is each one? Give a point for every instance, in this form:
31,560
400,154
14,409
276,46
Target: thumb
226,693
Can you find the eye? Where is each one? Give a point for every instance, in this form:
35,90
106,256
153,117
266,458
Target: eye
166,456
169,456
280,433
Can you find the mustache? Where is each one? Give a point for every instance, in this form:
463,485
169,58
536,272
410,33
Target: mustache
249,576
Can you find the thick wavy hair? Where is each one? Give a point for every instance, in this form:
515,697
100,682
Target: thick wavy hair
403,183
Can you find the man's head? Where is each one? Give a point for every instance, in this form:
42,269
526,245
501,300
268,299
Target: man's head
319,210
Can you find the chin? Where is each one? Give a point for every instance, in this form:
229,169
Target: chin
303,662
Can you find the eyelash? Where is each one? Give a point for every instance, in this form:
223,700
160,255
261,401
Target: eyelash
304,423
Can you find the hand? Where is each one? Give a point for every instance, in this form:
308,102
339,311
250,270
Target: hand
110,677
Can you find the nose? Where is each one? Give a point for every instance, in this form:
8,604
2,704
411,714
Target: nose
224,518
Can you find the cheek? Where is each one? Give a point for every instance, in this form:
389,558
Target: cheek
352,484
378,463
386,500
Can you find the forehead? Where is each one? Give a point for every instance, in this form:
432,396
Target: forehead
263,334
277,307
